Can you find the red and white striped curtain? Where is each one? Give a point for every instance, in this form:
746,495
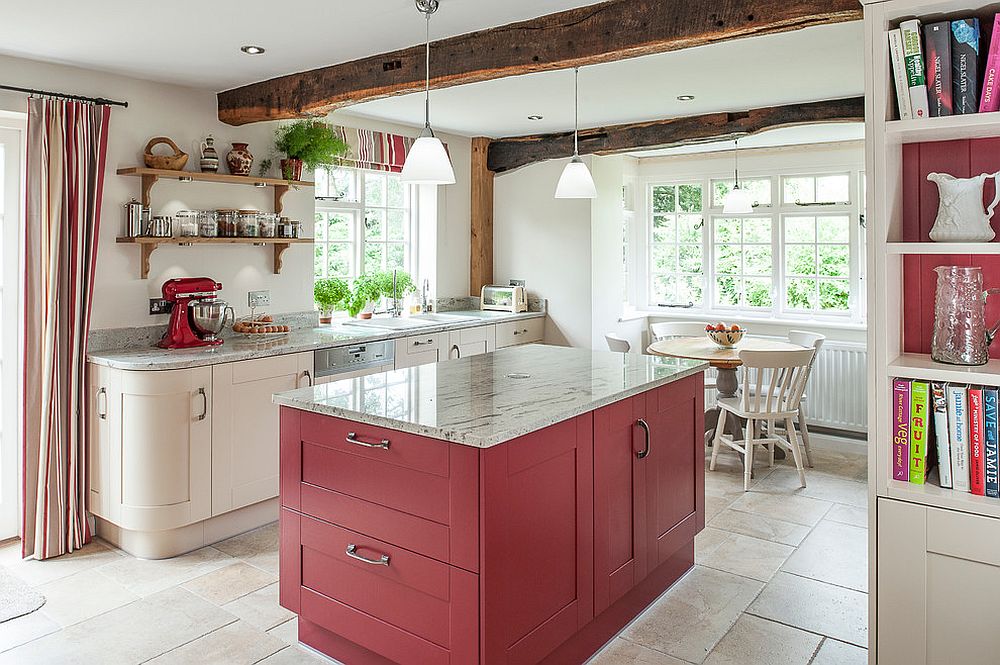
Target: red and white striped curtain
379,151
67,151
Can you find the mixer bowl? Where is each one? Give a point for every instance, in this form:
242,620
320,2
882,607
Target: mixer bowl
209,317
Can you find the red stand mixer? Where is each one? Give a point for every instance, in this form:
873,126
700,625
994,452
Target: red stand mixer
197,316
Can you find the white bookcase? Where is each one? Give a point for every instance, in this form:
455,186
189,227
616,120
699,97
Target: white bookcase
934,553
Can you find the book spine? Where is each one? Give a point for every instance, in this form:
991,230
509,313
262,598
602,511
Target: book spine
965,65
915,76
958,426
899,74
992,443
937,43
919,430
976,461
901,429
989,101
939,403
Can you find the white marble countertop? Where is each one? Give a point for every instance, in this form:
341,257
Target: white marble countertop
484,400
311,339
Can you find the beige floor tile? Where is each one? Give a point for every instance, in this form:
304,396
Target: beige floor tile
708,541
838,653
835,553
623,652
819,485
690,618
756,641
747,556
715,505
72,599
297,655
235,644
789,507
815,606
849,515
93,554
227,584
760,526
258,547
260,608
24,629
287,632
127,635
839,462
146,577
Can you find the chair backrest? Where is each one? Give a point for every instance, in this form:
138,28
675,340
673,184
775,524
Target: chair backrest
668,329
809,340
617,343
781,388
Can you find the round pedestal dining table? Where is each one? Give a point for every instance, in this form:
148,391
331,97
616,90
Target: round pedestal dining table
726,361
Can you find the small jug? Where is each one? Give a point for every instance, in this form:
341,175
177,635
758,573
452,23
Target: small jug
209,155
960,216
960,333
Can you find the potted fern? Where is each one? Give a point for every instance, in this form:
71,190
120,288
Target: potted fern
329,294
312,143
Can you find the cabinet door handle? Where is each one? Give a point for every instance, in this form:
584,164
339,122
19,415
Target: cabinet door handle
204,410
352,551
645,428
458,352
103,413
352,437
308,375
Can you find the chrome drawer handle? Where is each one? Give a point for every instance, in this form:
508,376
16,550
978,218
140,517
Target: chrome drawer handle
352,551
645,428
103,413
353,438
430,341
521,332
204,411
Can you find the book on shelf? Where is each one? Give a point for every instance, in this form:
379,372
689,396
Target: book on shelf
901,429
939,405
919,430
989,100
899,74
913,57
965,65
991,442
976,460
937,44
958,428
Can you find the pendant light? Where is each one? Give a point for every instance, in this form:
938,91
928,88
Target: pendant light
737,201
576,181
427,162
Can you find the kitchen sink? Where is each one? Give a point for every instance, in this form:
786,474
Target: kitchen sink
442,317
390,323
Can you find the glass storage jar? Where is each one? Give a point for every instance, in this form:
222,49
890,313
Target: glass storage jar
284,228
187,223
246,224
208,225
227,223
266,224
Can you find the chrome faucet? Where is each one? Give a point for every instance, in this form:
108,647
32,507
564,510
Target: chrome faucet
423,294
396,309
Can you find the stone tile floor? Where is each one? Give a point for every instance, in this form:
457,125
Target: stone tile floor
780,578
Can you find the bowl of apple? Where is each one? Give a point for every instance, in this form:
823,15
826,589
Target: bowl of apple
726,336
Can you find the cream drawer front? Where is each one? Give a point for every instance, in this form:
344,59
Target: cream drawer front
420,350
471,342
525,331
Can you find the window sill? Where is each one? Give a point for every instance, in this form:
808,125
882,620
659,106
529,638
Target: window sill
689,315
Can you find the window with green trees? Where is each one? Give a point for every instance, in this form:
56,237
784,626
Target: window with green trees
676,244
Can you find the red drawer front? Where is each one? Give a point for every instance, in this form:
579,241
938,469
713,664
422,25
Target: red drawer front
413,610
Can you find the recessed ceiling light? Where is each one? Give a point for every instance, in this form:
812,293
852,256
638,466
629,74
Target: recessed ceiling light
535,117
685,98
250,49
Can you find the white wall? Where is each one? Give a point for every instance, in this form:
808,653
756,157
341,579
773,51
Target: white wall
186,115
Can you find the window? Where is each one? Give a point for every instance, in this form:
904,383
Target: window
364,222
797,256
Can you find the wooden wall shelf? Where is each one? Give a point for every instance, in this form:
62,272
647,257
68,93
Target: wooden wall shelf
150,176
149,245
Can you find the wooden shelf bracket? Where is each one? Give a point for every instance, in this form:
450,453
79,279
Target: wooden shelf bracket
279,250
148,180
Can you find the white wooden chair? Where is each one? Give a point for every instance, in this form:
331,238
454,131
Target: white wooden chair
777,400
617,343
668,329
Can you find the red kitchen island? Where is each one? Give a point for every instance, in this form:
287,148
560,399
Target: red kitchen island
515,507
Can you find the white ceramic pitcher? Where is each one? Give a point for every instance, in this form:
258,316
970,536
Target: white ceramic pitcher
960,216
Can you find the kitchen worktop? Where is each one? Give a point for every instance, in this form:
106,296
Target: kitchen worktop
238,348
485,400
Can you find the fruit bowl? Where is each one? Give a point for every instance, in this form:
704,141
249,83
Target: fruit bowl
725,336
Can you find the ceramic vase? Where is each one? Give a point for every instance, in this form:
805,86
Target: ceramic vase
960,216
239,160
209,156
291,169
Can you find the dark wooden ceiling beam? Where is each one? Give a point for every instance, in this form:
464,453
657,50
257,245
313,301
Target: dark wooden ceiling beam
603,32
511,153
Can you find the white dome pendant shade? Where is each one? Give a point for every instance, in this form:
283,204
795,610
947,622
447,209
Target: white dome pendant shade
576,182
737,201
427,161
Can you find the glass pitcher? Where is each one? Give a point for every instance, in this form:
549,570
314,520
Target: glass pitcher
960,333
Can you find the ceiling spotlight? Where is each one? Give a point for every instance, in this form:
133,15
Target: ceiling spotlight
535,117
250,49
685,98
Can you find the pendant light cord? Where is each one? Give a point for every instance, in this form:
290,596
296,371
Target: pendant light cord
736,170
576,111
427,74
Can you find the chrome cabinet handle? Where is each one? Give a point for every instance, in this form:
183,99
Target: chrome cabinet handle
204,411
352,551
353,438
458,351
430,341
645,428
521,332
308,375
103,413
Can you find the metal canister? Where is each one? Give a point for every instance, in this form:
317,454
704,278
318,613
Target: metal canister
133,219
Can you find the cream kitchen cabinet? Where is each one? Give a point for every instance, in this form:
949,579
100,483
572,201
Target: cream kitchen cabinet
523,331
471,342
421,350
245,427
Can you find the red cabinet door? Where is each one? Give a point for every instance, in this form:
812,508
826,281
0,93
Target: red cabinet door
675,466
620,548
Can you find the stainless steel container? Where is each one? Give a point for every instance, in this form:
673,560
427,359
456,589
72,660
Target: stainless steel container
159,227
209,317
133,219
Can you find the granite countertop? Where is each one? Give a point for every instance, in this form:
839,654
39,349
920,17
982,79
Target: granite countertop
484,400
238,348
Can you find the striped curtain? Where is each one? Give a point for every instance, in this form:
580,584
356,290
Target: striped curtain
374,150
67,150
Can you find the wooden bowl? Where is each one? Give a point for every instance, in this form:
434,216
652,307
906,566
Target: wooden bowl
174,162
727,339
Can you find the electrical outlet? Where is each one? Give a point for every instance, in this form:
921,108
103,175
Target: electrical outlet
160,306
258,298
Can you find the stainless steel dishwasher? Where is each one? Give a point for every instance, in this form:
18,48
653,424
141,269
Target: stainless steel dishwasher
347,362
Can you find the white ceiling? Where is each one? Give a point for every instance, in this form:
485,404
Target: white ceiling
197,42
784,136
813,64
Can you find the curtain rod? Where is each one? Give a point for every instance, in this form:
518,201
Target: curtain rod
61,95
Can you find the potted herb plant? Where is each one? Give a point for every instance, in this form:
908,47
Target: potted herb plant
329,294
365,291
310,142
